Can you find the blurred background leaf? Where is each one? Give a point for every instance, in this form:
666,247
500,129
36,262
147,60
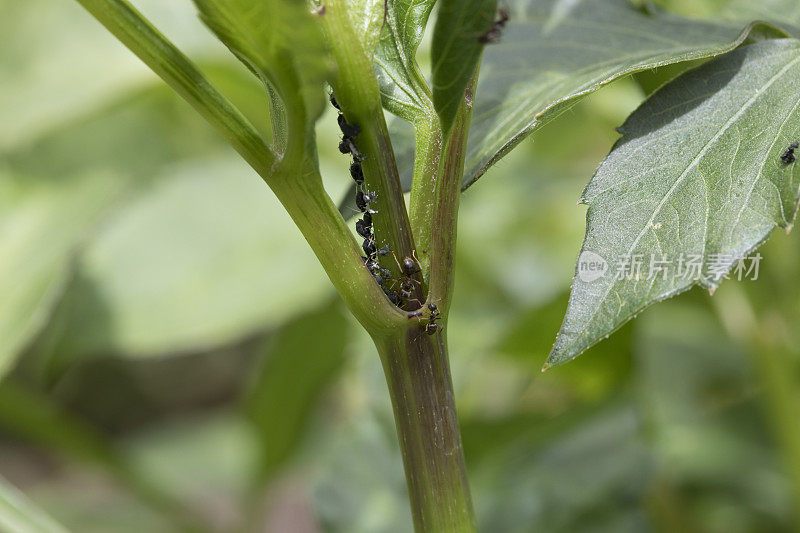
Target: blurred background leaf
191,287
19,515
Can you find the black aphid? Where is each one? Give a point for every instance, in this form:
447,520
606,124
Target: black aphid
347,146
334,103
363,200
493,35
788,156
348,130
357,173
363,229
368,246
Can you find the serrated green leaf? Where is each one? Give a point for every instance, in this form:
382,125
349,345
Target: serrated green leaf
697,173
19,515
456,50
403,88
281,43
553,53
41,225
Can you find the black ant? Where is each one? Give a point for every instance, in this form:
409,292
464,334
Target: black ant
433,315
432,327
788,155
493,35
407,268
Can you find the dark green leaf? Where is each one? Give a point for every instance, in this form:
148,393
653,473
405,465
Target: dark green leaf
307,355
456,50
697,172
553,53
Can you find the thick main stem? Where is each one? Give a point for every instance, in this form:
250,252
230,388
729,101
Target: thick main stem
418,375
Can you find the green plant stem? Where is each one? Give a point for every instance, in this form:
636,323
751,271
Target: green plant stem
418,375
427,154
443,224
296,187
358,94
332,242
135,32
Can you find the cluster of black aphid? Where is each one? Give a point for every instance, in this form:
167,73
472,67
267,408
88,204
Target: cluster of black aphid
433,315
493,35
788,155
364,201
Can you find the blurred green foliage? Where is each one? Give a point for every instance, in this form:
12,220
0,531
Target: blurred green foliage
168,374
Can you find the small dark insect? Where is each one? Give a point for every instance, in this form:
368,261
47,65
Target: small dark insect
363,200
367,218
347,146
431,328
368,246
788,156
406,288
384,251
493,35
357,172
409,266
392,296
363,229
334,103
348,130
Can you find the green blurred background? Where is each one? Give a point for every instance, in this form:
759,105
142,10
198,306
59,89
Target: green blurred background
184,357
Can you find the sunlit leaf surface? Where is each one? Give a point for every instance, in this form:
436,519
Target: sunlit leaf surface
694,184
